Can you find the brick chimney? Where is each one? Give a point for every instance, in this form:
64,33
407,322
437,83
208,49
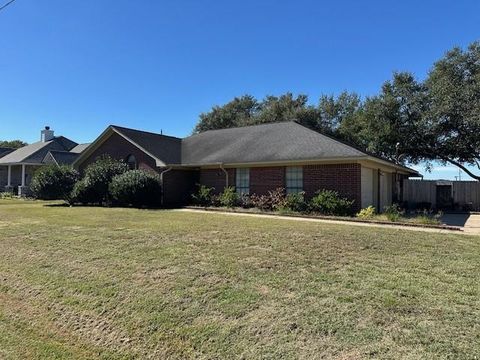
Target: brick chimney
46,134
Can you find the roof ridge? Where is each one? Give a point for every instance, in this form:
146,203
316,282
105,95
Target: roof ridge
243,127
142,131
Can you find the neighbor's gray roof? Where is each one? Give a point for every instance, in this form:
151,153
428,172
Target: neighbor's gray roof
34,153
4,151
164,148
285,141
79,148
60,157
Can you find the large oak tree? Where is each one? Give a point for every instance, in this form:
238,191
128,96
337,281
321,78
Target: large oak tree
412,121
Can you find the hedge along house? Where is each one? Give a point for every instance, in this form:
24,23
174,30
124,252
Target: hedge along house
18,166
254,159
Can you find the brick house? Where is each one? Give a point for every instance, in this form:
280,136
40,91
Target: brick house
254,159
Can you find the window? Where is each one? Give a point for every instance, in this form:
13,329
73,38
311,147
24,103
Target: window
294,179
243,181
132,162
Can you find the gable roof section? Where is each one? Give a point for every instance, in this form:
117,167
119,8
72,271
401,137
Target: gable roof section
163,149
35,152
59,157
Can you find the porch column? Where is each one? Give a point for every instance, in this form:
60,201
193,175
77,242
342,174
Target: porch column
9,176
23,175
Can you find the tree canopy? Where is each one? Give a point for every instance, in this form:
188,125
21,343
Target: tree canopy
12,144
437,119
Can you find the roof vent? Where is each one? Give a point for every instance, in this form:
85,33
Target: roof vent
46,134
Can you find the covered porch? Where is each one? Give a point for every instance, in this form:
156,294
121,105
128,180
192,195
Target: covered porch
16,178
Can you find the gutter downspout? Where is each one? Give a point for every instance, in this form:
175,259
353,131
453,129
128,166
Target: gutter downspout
161,182
226,174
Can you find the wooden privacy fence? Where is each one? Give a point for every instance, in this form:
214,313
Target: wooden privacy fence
464,195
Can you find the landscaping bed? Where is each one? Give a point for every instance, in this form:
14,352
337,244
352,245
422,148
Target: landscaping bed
324,217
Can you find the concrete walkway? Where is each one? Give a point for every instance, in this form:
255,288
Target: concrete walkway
472,226
470,223
472,229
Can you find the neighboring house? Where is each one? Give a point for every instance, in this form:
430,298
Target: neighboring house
18,166
254,159
3,170
4,151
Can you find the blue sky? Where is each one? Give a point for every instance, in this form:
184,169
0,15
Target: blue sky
79,65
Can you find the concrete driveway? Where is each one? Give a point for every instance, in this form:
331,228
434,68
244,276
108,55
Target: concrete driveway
469,222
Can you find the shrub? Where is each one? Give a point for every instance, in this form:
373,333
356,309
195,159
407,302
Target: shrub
245,201
295,202
82,193
367,213
54,182
6,195
261,202
203,196
328,202
229,197
274,200
136,188
393,212
93,188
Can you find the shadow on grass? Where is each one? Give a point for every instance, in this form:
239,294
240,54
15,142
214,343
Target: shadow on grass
110,206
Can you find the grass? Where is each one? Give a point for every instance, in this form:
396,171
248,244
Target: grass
91,283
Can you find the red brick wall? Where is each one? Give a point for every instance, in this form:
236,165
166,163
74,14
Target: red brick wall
343,178
216,178
178,185
119,148
265,179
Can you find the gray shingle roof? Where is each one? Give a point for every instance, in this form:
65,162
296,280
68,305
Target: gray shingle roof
4,151
275,142
60,157
286,141
79,148
34,153
165,148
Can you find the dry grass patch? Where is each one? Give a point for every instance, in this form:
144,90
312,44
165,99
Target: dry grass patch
122,283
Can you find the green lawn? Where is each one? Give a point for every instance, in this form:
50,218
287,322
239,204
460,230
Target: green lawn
121,283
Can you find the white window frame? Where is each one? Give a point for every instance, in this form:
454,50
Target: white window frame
294,179
242,181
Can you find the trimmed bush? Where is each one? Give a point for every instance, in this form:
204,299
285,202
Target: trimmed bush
82,193
229,197
203,196
274,200
367,213
136,188
93,188
54,182
328,202
295,202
